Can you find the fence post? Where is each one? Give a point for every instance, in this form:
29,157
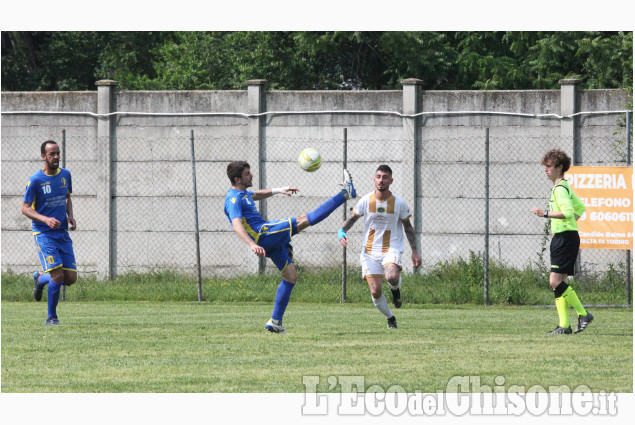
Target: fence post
411,152
106,157
486,255
628,251
196,234
256,105
569,104
344,161
63,149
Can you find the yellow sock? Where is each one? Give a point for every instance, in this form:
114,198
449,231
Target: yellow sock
572,298
563,312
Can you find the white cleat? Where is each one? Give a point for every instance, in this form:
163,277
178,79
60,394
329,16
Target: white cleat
275,327
348,185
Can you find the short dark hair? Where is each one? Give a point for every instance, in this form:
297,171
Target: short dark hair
235,169
558,158
384,169
43,147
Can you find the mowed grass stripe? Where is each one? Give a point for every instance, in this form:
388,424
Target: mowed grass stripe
223,347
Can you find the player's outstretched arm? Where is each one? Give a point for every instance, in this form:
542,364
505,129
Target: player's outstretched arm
348,223
287,190
410,234
266,193
240,231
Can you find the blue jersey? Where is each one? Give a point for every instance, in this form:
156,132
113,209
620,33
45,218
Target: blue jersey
240,204
47,195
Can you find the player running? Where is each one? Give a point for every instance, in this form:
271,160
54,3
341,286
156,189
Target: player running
384,216
273,238
47,201
565,208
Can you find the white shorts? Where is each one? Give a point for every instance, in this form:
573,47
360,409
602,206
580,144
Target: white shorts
373,264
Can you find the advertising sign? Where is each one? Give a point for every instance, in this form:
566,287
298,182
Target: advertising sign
607,193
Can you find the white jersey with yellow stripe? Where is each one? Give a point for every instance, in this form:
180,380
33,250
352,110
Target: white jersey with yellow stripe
383,228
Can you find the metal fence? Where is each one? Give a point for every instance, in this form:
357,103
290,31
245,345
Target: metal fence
472,195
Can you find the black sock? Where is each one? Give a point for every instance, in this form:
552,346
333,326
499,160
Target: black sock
559,290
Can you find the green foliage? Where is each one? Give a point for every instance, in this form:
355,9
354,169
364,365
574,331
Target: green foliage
49,60
74,60
484,62
356,60
129,57
609,60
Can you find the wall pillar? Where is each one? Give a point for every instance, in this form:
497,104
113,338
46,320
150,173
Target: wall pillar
256,105
106,156
412,152
570,104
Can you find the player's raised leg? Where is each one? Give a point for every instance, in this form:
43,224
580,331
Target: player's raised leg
40,280
320,213
70,277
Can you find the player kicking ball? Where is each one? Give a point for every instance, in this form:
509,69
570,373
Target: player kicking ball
384,216
273,238
565,208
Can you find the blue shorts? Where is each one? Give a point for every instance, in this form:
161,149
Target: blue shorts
55,249
275,238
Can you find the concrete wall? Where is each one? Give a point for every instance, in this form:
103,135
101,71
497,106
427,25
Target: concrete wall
132,173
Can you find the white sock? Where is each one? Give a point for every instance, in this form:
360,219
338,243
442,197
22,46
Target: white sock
397,286
382,305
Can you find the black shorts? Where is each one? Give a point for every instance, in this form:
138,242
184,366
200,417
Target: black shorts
564,251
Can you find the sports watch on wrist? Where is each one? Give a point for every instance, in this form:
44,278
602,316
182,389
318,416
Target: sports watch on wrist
546,214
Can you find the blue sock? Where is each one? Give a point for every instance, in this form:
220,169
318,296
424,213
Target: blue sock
282,299
53,297
324,210
44,279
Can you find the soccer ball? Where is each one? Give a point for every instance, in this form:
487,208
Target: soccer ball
310,159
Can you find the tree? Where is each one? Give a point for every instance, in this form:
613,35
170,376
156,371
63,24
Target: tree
538,60
336,60
378,60
74,60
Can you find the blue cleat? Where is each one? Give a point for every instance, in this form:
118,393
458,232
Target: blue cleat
348,186
37,289
275,326
52,321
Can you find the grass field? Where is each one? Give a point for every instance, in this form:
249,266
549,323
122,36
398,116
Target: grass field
131,346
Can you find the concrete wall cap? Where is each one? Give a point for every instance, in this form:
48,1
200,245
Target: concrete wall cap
569,81
106,83
409,81
256,82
